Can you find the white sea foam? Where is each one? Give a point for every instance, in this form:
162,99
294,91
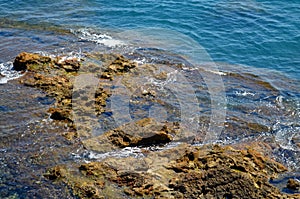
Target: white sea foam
126,152
140,61
284,137
6,72
62,56
217,72
244,93
99,38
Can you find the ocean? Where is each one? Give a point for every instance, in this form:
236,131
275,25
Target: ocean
263,34
256,41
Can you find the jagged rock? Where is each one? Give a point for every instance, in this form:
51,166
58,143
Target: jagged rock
70,65
119,66
55,173
185,172
293,184
144,132
225,172
180,172
25,60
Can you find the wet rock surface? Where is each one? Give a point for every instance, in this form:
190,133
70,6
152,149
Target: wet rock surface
293,184
56,76
143,133
84,88
182,172
26,61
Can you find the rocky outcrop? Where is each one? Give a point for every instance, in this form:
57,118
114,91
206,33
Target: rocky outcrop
293,185
145,132
222,172
178,171
30,61
70,65
36,62
119,66
142,133
55,76
181,172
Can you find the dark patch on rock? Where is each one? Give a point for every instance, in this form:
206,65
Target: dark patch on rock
293,184
59,114
55,173
145,132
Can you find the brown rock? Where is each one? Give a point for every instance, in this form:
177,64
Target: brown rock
98,169
55,173
225,172
70,65
293,184
118,66
145,132
184,172
24,60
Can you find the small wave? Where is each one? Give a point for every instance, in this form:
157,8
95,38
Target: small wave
244,93
288,138
126,152
6,72
98,38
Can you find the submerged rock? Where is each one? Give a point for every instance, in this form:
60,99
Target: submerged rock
55,76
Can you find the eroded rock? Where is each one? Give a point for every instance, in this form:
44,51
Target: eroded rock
120,65
293,184
31,61
55,76
186,172
180,172
144,132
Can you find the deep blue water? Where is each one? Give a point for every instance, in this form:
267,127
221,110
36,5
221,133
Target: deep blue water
264,34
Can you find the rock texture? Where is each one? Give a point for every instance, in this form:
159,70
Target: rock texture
181,172
142,133
55,76
26,61
293,184
158,170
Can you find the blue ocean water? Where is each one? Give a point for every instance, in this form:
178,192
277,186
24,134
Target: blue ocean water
263,33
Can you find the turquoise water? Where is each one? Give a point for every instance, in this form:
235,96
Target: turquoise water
264,34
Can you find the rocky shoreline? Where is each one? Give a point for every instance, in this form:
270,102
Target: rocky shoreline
184,171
